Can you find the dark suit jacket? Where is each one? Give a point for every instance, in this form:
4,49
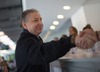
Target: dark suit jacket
32,55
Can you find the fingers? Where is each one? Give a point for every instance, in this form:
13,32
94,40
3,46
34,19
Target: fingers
89,32
85,46
92,38
86,39
85,42
79,42
82,44
81,33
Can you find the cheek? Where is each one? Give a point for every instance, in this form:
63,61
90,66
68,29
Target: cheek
35,28
39,27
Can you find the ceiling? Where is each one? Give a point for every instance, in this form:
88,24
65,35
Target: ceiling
49,10
10,11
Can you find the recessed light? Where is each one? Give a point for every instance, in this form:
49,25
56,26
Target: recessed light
60,16
52,27
66,7
55,22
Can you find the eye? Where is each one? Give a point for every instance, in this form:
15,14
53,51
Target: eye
36,20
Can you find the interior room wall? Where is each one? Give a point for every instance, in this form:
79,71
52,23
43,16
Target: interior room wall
79,19
92,13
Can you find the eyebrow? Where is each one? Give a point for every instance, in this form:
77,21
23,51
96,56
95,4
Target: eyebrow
37,18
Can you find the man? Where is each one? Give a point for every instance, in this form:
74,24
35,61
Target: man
32,55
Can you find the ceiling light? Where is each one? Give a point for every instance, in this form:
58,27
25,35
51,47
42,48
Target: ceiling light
66,7
52,27
55,22
60,16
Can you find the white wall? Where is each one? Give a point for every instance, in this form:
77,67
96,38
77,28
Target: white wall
79,19
92,12
88,14
24,4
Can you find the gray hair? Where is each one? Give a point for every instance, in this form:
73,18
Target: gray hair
24,14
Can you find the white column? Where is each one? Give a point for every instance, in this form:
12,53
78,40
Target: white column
79,19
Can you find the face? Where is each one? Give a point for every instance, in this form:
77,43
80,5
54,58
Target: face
71,31
34,23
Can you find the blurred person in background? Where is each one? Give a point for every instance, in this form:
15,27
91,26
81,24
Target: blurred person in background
88,26
56,39
85,37
96,47
3,65
72,34
64,36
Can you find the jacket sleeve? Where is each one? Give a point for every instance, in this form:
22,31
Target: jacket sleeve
56,49
40,53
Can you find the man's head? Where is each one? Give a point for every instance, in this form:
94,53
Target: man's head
32,21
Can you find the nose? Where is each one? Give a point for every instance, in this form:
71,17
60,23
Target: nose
40,23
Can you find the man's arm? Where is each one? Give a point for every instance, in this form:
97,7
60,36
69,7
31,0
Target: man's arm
40,53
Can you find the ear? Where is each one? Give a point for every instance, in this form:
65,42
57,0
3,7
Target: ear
24,25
